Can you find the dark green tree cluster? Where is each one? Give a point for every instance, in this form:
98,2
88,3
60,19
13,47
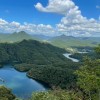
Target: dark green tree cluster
54,76
57,94
29,52
88,77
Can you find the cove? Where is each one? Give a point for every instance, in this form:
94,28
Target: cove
19,83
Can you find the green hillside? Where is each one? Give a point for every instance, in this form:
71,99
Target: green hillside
86,78
70,41
62,41
41,61
15,37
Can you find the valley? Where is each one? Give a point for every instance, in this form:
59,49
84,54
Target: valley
33,60
49,49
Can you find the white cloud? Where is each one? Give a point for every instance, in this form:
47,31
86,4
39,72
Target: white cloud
56,6
3,22
9,27
73,23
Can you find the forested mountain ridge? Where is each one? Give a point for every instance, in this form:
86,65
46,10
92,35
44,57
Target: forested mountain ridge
86,86
41,61
26,49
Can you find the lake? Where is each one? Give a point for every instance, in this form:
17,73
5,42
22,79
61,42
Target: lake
21,85
67,55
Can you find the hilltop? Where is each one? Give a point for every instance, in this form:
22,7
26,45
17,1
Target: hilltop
15,37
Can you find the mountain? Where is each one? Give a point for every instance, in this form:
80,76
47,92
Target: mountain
19,36
14,37
70,41
62,41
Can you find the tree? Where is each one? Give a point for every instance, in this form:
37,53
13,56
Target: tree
5,94
57,94
97,49
88,77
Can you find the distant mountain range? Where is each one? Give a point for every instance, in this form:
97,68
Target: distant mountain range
19,36
70,41
62,41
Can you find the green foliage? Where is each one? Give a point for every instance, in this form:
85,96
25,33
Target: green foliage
5,94
46,63
57,95
97,49
89,78
4,57
89,75
29,52
23,67
54,76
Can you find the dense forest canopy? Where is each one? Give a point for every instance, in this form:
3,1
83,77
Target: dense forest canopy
88,83
41,61
5,94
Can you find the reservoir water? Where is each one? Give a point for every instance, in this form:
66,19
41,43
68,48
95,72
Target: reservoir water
21,85
67,55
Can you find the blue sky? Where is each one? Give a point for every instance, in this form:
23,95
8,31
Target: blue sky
21,11
24,11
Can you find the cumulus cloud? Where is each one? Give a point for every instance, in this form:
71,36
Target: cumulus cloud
56,6
73,23
9,27
76,24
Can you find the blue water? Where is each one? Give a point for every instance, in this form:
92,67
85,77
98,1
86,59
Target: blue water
21,85
67,55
